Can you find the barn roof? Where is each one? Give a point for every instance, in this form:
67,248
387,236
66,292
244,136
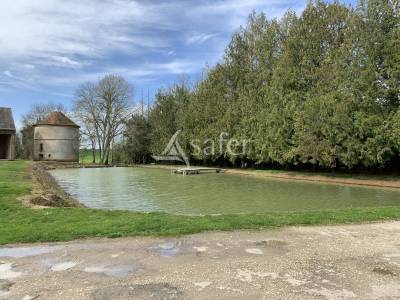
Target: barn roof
6,119
57,119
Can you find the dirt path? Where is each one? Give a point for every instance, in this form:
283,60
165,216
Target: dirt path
329,262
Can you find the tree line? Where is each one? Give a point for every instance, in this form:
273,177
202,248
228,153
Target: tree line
318,90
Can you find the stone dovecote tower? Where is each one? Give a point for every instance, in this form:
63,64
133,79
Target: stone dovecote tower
56,138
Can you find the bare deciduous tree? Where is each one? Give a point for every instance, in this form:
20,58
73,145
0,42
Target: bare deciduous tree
102,109
86,111
40,111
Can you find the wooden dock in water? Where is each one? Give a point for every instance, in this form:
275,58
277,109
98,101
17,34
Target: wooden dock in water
196,170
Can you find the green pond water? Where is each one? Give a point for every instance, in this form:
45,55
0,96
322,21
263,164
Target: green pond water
147,189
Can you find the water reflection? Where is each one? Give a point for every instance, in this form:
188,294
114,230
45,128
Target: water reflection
146,189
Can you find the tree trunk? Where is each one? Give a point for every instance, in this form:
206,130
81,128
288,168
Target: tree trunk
100,152
94,153
106,155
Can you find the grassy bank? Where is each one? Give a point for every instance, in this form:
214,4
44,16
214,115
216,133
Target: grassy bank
19,224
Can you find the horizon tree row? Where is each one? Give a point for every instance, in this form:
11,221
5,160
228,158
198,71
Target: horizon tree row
321,89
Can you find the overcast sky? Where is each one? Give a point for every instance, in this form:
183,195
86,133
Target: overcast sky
49,47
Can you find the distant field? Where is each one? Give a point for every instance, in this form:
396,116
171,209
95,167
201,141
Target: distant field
86,157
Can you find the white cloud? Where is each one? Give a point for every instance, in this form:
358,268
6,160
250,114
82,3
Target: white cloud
199,38
64,43
93,28
66,61
134,72
37,29
29,66
8,74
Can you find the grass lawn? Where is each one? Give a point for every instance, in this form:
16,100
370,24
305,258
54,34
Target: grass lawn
19,224
86,156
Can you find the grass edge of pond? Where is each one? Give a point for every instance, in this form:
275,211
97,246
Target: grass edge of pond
19,224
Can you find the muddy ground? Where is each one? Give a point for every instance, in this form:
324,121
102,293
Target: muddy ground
326,262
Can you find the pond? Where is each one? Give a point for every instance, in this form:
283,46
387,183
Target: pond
151,189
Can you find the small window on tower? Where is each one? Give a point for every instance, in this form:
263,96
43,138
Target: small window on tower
41,147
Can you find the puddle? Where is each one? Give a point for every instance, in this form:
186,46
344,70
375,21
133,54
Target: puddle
201,249
19,252
63,266
114,271
254,251
228,289
202,285
168,249
295,282
91,246
6,272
